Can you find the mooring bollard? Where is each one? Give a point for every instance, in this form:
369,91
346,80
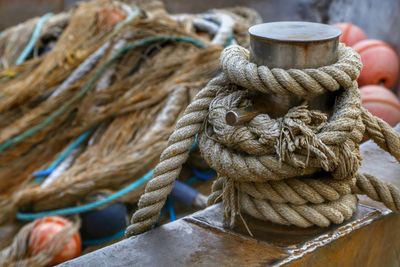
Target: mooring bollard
287,45
202,239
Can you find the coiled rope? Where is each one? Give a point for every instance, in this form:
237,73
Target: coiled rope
91,83
300,169
86,87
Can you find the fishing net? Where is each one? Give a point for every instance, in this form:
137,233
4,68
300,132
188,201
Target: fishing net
98,106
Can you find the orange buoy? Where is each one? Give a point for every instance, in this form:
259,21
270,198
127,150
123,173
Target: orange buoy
381,102
381,63
351,34
45,229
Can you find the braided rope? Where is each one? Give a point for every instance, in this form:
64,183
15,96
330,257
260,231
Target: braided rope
172,158
300,169
382,134
378,190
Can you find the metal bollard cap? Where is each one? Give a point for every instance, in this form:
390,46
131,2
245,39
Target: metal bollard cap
294,45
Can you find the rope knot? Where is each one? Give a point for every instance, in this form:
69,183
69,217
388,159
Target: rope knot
281,169
298,130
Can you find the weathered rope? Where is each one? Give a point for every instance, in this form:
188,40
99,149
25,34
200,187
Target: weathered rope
300,169
91,83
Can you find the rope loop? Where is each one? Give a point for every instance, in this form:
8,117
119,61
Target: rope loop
305,83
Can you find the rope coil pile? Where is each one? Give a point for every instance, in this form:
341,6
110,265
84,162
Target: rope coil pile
121,105
300,169
92,107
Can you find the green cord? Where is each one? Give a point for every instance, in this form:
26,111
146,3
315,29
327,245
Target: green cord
90,83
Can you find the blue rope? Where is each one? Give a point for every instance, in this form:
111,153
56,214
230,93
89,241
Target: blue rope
92,205
39,175
34,38
200,176
99,241
195,144
171,210
204,175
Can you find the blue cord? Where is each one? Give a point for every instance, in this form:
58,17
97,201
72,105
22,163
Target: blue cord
204,175
39,175
195,144
34,38
192,180
92,205
99,241
200,176
171,210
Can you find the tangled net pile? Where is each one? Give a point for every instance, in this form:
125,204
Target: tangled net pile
127,102
114,79
300,169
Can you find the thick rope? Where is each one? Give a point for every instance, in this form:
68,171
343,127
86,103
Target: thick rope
300,169
382,134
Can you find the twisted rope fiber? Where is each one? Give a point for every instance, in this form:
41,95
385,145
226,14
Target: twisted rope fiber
300,169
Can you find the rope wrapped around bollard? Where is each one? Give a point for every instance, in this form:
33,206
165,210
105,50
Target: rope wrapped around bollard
300,169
